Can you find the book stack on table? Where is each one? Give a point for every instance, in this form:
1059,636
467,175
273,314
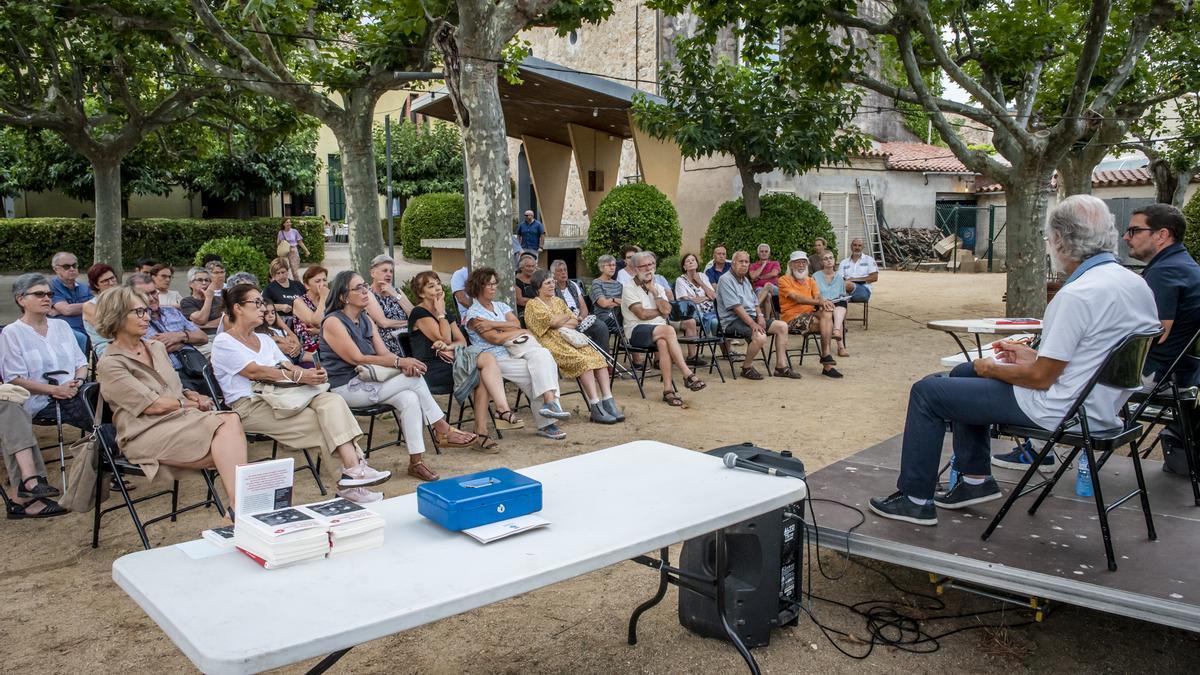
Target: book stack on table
350,526
282,537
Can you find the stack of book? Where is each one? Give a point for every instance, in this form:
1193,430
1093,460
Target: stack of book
350,526
283,537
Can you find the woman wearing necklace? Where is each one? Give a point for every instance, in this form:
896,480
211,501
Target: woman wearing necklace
160,424
834,288
309,309
545,316
349,339
388,307
241,356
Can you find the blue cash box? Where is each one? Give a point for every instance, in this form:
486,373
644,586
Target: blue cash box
479,499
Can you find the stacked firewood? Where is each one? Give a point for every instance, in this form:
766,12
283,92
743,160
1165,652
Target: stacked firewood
907,246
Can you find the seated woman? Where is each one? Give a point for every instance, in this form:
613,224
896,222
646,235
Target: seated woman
570,293
26,471
693,285
388,307
526,264
545,316
493,324
101,277
435,342
837,290
274,327
34,346
283,290
348,339
241,357
309,308
606,293
158,422
163,275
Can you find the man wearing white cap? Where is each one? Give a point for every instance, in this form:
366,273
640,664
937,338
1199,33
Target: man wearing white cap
803,310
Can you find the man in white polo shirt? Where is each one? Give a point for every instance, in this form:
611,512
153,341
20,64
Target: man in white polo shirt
861,269
1100,305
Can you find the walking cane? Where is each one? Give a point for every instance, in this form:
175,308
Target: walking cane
52,380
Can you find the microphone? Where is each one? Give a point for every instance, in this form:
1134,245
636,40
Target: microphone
733,461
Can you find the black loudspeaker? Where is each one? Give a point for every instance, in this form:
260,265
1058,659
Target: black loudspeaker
765,556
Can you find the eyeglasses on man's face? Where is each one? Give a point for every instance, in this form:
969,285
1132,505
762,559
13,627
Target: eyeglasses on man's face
67,266
1133,230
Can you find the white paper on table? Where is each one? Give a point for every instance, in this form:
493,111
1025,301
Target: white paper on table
198,549
264,486
485,534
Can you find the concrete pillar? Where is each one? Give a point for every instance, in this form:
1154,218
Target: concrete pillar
660,161
549,167
595,151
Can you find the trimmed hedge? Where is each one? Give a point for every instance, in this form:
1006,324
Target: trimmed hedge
635,214
436,215
239,255
30,242
787,223
1191,214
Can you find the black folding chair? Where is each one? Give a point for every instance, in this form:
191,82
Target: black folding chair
113,463
767,351
682,311
1122,369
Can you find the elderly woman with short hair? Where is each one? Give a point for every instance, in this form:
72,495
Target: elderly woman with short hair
388,307
572,295
101,277
158,422
606,293
204,306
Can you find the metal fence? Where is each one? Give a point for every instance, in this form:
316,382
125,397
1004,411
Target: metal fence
979,227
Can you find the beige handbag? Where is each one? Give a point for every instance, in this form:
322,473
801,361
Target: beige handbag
282,249
372,373
13,393
286,398
521,345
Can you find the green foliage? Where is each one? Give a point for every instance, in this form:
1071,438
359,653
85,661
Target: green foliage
1191,213
669,268
635,214
432,216
238,254
787,223
425,158
45,162
29,242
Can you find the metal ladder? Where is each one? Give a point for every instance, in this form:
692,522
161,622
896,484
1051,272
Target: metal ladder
866,202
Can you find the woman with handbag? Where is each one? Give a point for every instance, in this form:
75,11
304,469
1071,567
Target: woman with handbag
293,240
365,373
693,286
556,327
436,341
158,422
389,308
266,390
522,360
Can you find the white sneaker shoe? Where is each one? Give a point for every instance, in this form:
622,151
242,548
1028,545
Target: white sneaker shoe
360,495
362,476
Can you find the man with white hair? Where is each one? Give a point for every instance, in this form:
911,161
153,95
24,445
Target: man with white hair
68,296
803,310
1100,304
740,317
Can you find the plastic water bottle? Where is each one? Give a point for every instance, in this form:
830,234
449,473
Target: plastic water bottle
954,476
1083,477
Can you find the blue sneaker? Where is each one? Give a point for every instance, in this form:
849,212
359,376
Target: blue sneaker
1022,456
552,432
554,410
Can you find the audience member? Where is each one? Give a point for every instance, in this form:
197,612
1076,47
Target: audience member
522,360
1155,236
283,291
274,327
803,310
349,339
837,290
737,307
532,234
815,263
295,242
387,306
437,343
549,318
32,493
693,286
625,271
571,294
309,308
163,275
524,285
241,357
764,275
606,293
33,346
101,277
645,307
1100,304
158,422
169,327
216,269
145,266
718,265
69,296
860,269
203,307
458,288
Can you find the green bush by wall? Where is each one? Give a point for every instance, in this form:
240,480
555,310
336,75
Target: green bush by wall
30,242
635,214
1191,213
436,215
238,254
787,223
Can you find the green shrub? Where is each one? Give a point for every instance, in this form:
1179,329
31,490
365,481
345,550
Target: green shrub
635,214
787,223
29,242
1191,214
433,216
238,255
669,268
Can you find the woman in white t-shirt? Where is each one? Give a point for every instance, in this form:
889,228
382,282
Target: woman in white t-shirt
242,356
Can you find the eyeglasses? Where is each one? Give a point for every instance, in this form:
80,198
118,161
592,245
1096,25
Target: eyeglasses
68,266
491,284
361,288
201,280
647,266
257,302
1132,231
153,294
41,295
140,312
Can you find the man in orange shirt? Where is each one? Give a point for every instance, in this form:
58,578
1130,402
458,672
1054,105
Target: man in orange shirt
801,307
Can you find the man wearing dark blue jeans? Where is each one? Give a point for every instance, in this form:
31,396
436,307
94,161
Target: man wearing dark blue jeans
1099,305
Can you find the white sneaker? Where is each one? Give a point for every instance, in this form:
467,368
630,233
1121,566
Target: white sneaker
362,476
360,495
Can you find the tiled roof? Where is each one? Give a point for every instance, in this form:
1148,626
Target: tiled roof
919,157
1100,179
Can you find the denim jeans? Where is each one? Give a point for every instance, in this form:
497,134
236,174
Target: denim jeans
970,403
862,293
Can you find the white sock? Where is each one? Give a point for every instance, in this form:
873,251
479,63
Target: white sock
593,401
917,500
973,481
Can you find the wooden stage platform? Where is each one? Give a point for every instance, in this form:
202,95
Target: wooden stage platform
1057,554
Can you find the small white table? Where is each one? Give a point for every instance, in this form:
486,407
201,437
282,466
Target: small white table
977,327
228,615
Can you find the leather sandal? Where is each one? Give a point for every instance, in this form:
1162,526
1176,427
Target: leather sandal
694,383
788,373
443,441
751,374
50,509
508,420
672,399
419,470
41,488
484,443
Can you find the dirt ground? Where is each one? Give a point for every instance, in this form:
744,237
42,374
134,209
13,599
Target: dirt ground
63,613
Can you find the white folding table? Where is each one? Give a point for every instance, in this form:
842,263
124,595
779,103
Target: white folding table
228,615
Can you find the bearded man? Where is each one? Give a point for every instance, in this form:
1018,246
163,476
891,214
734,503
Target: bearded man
803,310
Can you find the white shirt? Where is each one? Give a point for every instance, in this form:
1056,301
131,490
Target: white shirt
632,294
26,354
458,282
1084,321
229,357
169,299
624,276
864,267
